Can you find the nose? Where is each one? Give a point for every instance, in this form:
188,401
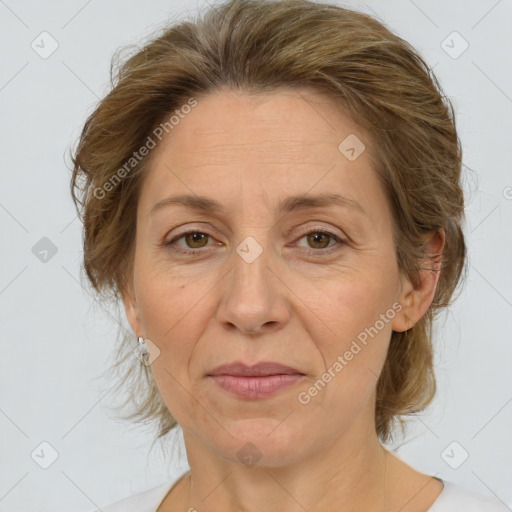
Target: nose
253,296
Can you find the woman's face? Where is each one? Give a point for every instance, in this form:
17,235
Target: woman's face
279,271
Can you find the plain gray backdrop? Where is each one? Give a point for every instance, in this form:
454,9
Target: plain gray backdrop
56,341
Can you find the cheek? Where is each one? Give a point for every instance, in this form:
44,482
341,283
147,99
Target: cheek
168,314
357,303
358,312
172,318
353,356
174,315
163,299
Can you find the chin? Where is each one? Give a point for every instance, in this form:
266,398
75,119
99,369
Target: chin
266,442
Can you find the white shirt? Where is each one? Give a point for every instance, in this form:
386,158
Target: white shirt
453,498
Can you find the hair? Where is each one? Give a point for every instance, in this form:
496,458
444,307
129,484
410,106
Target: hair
258,46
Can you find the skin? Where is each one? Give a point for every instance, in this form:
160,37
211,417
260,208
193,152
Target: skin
295,304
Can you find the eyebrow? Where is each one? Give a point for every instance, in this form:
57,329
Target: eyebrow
289,204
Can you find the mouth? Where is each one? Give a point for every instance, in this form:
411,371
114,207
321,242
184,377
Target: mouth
257,381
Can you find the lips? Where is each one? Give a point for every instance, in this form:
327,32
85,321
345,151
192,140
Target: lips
258,370
257,381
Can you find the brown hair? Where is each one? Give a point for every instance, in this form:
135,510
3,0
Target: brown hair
256,47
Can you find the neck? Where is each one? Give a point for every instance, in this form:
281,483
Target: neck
350,474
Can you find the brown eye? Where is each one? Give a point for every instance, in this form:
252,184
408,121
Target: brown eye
320,243
319,240
194,238
194,242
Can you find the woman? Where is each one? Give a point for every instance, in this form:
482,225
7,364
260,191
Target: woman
273,192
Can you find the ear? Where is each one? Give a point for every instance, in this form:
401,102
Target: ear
416,300
131,310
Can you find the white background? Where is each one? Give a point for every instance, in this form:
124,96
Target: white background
56,342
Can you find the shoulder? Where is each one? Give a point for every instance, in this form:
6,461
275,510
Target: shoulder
145,501
455,498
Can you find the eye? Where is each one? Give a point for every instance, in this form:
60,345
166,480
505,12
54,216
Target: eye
319,241
193,239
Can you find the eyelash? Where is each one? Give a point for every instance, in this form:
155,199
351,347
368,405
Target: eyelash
313,252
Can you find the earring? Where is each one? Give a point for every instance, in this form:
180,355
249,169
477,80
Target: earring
142,343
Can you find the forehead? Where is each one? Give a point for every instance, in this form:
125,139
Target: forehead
295,121
239,146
